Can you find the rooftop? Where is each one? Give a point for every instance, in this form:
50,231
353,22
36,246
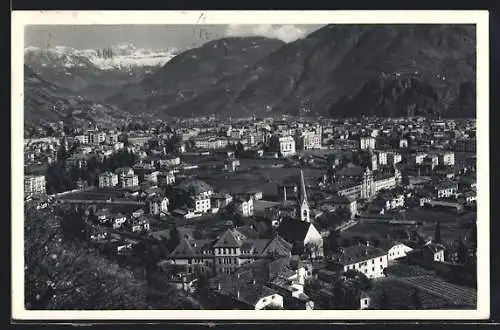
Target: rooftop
358,253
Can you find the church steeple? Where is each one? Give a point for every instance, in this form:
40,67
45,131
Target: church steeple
303,205
303,194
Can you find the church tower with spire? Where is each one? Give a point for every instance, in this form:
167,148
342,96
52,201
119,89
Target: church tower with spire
303,205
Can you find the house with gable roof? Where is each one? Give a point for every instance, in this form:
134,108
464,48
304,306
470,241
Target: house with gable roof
227,253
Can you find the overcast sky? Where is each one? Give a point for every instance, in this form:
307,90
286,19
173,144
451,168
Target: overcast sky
153,36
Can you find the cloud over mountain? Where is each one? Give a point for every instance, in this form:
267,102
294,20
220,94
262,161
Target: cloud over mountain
286,33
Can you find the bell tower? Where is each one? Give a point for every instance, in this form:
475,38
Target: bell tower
303,205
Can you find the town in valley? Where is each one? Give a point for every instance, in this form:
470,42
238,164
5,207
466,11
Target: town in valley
270,213
262,167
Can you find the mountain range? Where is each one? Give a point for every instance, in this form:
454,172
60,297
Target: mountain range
193,72
347,70
338,70
47,102
95,73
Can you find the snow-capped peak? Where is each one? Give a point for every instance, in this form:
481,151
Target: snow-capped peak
119,56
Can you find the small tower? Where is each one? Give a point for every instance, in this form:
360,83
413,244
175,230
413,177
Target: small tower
303,205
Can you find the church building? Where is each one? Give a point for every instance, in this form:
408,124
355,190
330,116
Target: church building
299,230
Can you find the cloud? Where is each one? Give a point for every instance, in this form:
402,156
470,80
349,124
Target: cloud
286,33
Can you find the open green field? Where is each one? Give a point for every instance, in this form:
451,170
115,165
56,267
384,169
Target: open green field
430,216
94,194
453,226
264,179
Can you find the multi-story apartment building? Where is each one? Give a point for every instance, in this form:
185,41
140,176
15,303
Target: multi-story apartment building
367,185
210,143
200,204
419,157
138,139
122,172
446,189
365,259
108,179
367,143
382,157
112,138
97,137
130,180
82,139
244,205
446,158
34,184
166,178
227,253
284,145
158,205
394,158
398,250
306,140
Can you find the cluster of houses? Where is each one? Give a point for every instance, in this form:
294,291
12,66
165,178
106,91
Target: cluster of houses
370,167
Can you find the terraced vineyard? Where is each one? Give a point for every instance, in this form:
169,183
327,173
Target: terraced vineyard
432,285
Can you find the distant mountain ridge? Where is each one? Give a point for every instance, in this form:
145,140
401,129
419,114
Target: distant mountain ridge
351,70
337,71
89,70
47,102
192,72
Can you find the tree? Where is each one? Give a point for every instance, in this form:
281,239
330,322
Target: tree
62,153
416,300
239,149
346,241
67,274
374,240
172,144
359,279
312,250
175,238
384,300
437,233
462,251
332,242
346,295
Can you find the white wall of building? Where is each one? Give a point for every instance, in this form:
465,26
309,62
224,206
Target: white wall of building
398,251
372,268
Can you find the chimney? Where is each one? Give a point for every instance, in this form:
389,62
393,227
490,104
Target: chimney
238,294
254,282
218,286
284,192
